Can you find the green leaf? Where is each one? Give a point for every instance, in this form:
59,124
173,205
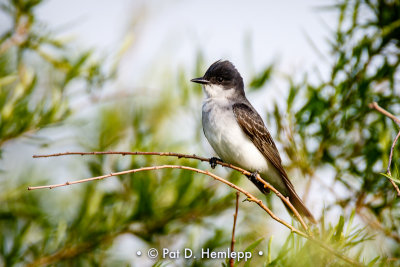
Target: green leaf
373,261
270,249
339,229
396,180
262,78
250,249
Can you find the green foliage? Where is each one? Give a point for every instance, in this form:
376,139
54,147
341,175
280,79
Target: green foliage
260,80
25,48
331,122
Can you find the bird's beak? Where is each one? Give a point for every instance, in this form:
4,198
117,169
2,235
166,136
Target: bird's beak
200,80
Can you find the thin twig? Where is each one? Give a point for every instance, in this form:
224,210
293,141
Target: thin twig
390,162
179,155
391,153
231,260
375,106
249,196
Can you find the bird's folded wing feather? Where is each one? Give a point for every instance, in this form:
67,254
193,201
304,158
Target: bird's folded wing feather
252,124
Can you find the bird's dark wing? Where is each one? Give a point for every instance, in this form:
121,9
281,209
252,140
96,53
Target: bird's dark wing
252,124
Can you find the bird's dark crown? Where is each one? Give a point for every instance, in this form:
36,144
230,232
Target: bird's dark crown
225,74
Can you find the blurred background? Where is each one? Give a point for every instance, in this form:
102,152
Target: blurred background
102,75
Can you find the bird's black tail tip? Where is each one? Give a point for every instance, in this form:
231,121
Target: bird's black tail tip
301,208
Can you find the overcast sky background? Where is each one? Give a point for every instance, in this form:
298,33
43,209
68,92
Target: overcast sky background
172,32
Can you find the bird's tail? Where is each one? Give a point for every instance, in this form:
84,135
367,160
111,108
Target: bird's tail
293,198
299,206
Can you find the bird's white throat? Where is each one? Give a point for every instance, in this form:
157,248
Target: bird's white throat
217,91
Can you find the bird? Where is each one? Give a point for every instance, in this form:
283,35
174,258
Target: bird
238,134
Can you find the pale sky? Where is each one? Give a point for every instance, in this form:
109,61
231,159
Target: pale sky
171,32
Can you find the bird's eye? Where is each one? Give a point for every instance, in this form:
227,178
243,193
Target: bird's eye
220,79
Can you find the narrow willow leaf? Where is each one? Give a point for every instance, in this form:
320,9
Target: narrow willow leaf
396,180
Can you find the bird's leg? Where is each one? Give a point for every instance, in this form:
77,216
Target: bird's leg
213,161
253,178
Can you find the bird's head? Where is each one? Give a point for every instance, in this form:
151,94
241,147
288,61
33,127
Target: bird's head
221,80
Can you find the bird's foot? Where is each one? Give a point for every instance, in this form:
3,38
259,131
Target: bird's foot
253,176
213,161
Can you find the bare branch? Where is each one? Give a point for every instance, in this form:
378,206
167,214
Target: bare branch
390,163
231,260
375,106
179,155
249,196
391,153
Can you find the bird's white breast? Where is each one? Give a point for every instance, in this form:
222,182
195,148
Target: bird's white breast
227,138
